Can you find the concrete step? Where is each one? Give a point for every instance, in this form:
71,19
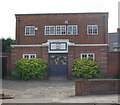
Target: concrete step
57,78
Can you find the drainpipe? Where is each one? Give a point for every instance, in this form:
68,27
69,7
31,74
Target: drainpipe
118,30
18,31
104,30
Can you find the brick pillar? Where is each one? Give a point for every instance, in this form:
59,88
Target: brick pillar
14,55
103,60
80,87
70,60
45,54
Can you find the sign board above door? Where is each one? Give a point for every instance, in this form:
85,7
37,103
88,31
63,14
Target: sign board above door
58,46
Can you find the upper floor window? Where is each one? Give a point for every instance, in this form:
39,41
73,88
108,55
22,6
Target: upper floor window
29,30
29,56
86,55
72,29
116,44
61,30
92,29
49,30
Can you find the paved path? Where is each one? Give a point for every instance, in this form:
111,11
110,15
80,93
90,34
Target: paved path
48,91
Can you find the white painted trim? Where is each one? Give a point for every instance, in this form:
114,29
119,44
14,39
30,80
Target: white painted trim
58,40
92,30
49,27
72,29
29,55
60,29
91,44
29,34
69,44
26,46
87,55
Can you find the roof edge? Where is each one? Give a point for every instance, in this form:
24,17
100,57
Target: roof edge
63,13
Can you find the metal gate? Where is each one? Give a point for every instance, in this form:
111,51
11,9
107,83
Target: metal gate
58,64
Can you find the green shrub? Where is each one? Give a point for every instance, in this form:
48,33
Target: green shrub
15,75
85,68
30,69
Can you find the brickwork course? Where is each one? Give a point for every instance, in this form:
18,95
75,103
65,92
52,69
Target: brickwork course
74,51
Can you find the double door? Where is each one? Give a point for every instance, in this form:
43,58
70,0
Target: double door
58,64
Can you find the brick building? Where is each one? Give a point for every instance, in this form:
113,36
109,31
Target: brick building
59,38
114,41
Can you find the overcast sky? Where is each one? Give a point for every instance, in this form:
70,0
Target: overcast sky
8,9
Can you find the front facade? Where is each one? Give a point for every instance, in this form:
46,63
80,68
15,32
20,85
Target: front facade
61,38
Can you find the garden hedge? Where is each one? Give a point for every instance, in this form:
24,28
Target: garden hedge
30,69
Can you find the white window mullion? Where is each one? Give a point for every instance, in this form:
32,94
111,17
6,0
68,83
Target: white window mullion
49,30
29,56
72,30
92,29
86,55
29,30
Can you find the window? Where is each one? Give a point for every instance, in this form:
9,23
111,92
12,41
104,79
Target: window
86,55
29,30
49,30
116,44
29,56
72,29
61,30
92,29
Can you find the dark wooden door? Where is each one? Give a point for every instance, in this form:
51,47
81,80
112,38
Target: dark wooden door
58,64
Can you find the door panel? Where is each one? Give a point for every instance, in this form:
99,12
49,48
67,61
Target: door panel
58,65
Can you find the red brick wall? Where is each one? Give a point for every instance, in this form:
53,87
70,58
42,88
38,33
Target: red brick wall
8,55
113,62
99,51
96,86
17,53
82,20
73,53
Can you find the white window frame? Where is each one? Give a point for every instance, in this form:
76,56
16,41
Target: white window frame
29,55
29,31
87,55
72,30
49,30
60,29
92,30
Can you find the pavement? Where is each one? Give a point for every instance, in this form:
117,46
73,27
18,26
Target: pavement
50,91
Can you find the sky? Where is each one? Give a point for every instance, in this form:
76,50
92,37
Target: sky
8,9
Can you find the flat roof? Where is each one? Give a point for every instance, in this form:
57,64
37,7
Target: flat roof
63,13
112,33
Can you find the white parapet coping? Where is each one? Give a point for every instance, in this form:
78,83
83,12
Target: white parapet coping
69,44
59,40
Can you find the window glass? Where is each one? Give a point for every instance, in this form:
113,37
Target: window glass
49,30
54,60
29,30
86,55
61,30
63,59
72,29
92,29
29,56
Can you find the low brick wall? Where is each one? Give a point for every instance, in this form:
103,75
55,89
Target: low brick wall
97,86
113,63
8,55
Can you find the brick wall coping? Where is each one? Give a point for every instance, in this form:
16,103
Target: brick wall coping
6,52
97,80
63,13
39,45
